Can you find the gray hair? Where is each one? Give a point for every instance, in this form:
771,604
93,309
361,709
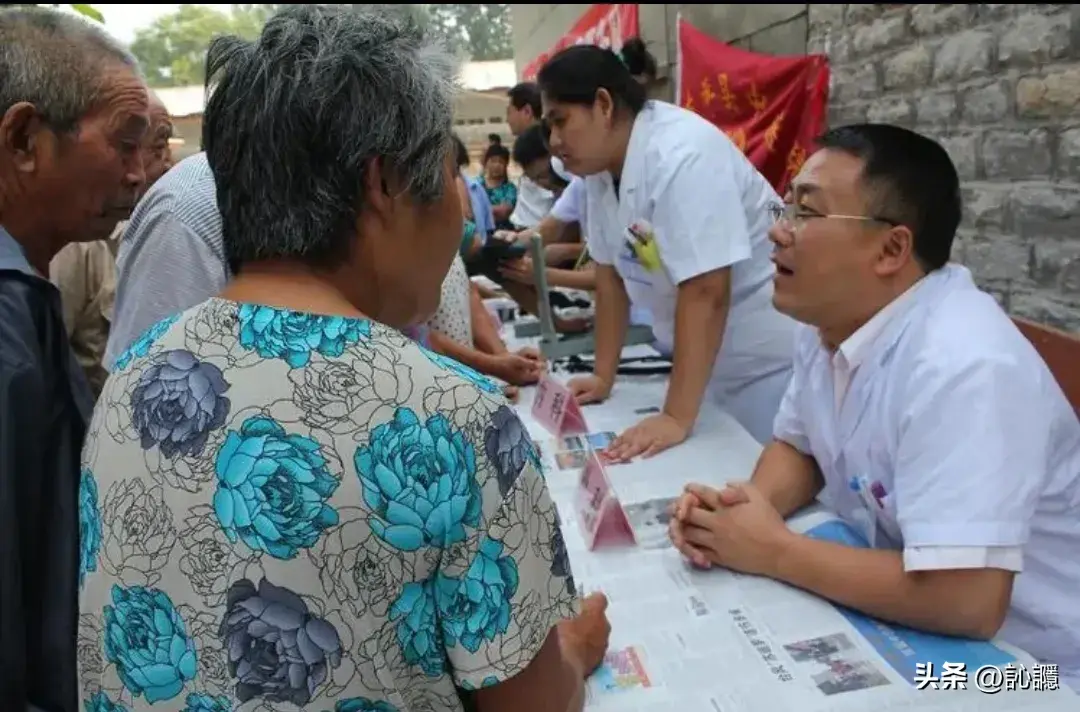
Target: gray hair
295,118
55,61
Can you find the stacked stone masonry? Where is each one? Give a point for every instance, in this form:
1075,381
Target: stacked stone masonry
999,87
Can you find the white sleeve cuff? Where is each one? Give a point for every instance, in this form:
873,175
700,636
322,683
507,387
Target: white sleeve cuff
940,558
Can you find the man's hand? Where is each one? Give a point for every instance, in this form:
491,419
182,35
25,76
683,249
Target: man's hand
698,496
651,436
736,528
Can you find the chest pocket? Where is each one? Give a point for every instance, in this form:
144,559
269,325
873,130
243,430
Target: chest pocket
631,270
868,462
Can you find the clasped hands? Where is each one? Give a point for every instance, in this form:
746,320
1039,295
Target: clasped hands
735,527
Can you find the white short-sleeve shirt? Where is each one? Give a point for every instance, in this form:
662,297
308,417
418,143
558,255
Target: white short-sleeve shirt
708,208
941,406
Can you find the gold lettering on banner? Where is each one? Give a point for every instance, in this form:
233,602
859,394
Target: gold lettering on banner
738,137
773,132
726,95
688,102
756,100
795,159
707,94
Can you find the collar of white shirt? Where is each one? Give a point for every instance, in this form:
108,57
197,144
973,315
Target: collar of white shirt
855,349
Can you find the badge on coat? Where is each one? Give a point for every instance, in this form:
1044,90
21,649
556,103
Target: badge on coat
641,241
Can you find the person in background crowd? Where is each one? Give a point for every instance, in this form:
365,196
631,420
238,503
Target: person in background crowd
289,420
534,200
500,190
530,152
85,272
171,255
463,330
73,113
568,263
475,206
917,411
569,207
677,223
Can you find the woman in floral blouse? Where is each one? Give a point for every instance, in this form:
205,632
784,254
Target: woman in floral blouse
286,504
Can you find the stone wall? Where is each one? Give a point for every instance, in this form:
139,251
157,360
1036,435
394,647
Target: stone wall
999,86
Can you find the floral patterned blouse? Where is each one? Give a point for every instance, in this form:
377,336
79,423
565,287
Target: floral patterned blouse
503,194
288,511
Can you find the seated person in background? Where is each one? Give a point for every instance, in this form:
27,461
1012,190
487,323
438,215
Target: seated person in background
568,263
343,475
472,239
523,112
531,153
463,329
500,191
917,411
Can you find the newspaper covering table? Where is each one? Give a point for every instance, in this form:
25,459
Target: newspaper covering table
690,640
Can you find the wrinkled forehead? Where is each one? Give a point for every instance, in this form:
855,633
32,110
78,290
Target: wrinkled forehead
830,175
125,102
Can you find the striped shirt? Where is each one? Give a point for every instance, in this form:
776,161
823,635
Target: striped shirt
172,256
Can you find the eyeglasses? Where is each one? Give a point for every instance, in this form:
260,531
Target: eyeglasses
795,216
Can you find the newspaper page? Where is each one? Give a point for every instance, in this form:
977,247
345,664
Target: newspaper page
686,640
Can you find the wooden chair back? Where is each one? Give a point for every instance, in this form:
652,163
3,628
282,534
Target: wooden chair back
1061,352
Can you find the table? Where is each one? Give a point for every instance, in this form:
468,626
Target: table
686,640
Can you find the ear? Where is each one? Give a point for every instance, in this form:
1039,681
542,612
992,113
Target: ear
897,250
605,103
21,130
377,191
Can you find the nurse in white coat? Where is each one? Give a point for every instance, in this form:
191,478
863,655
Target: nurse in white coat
677,223
917,412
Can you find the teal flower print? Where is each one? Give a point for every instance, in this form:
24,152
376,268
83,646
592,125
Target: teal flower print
486,682
476,607
420,481
445,362
207,703
417,631
142,345
292,336
101,703
147,641
273,489
89,524
363,704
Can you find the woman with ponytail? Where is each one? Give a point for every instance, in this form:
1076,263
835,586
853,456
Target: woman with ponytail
677,223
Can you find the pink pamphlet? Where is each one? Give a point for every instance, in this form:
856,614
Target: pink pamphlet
554,407
600,515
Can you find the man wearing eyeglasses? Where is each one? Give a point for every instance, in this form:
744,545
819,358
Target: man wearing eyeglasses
917,412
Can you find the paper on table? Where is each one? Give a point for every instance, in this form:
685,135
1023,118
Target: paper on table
716,641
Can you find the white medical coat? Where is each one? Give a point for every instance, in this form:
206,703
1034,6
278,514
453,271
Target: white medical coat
954,414
709,209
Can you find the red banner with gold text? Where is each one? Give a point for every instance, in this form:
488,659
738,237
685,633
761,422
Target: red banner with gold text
607,25
771,107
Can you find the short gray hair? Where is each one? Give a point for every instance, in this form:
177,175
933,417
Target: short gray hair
295,118
55,61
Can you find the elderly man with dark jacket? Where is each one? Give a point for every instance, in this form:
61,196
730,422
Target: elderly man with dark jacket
73,111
